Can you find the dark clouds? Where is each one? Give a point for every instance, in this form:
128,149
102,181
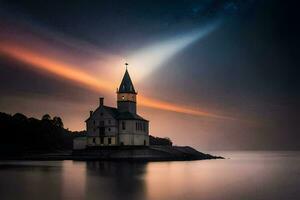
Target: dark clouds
249,68
114,24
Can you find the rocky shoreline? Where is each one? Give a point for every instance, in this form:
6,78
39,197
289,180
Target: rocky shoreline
151,153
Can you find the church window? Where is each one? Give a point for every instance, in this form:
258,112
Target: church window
140,127
101,140
101,130
109,129
101,123
94,140
109,140
123,125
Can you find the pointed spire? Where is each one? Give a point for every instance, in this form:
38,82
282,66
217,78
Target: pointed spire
126,85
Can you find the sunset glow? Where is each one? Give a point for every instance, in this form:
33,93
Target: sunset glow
69,72
63,70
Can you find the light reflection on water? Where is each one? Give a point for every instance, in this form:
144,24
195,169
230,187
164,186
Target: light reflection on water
246,175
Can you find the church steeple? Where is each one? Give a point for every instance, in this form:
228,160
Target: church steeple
126,85
126,94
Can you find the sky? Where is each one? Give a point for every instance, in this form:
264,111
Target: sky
215,75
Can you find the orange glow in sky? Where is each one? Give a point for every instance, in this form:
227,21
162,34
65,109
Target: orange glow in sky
70,72
53,66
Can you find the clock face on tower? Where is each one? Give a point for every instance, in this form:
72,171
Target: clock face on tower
126,97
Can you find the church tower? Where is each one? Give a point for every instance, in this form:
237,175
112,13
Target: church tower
126,95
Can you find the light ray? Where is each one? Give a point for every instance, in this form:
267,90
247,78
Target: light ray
70,72
147,59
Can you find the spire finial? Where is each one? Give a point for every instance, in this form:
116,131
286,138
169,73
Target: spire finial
126,64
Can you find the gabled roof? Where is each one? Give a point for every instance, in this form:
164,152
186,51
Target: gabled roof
119,115
113,111
129,115
126,85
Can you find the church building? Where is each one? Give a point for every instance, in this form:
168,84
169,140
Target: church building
109,126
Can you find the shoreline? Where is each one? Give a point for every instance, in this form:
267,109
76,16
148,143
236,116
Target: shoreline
150,153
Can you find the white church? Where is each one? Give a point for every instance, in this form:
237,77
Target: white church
109,126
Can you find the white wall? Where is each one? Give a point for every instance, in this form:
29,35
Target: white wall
131,136
133,139
111,128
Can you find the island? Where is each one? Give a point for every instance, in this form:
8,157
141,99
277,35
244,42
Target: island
26,138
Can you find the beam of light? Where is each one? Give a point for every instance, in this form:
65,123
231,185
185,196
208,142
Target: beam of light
153,103
70,72
147,59
55,67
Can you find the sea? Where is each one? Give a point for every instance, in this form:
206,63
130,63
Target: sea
243,175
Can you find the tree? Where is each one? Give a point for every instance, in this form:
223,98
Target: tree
46,117
58,122
20,116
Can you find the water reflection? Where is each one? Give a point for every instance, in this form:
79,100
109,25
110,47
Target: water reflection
73,180
30,180
247,175
112,180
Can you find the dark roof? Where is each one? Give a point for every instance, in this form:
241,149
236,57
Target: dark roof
120,115
113,111
129,115
126,85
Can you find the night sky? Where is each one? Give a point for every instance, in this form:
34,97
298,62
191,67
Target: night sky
216,75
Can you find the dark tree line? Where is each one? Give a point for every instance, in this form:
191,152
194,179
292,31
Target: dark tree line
160,141
21,134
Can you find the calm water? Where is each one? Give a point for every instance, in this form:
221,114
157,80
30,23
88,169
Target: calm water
247,175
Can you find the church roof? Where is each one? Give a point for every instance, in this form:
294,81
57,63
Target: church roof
116,114
126,85
129,115
113,111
